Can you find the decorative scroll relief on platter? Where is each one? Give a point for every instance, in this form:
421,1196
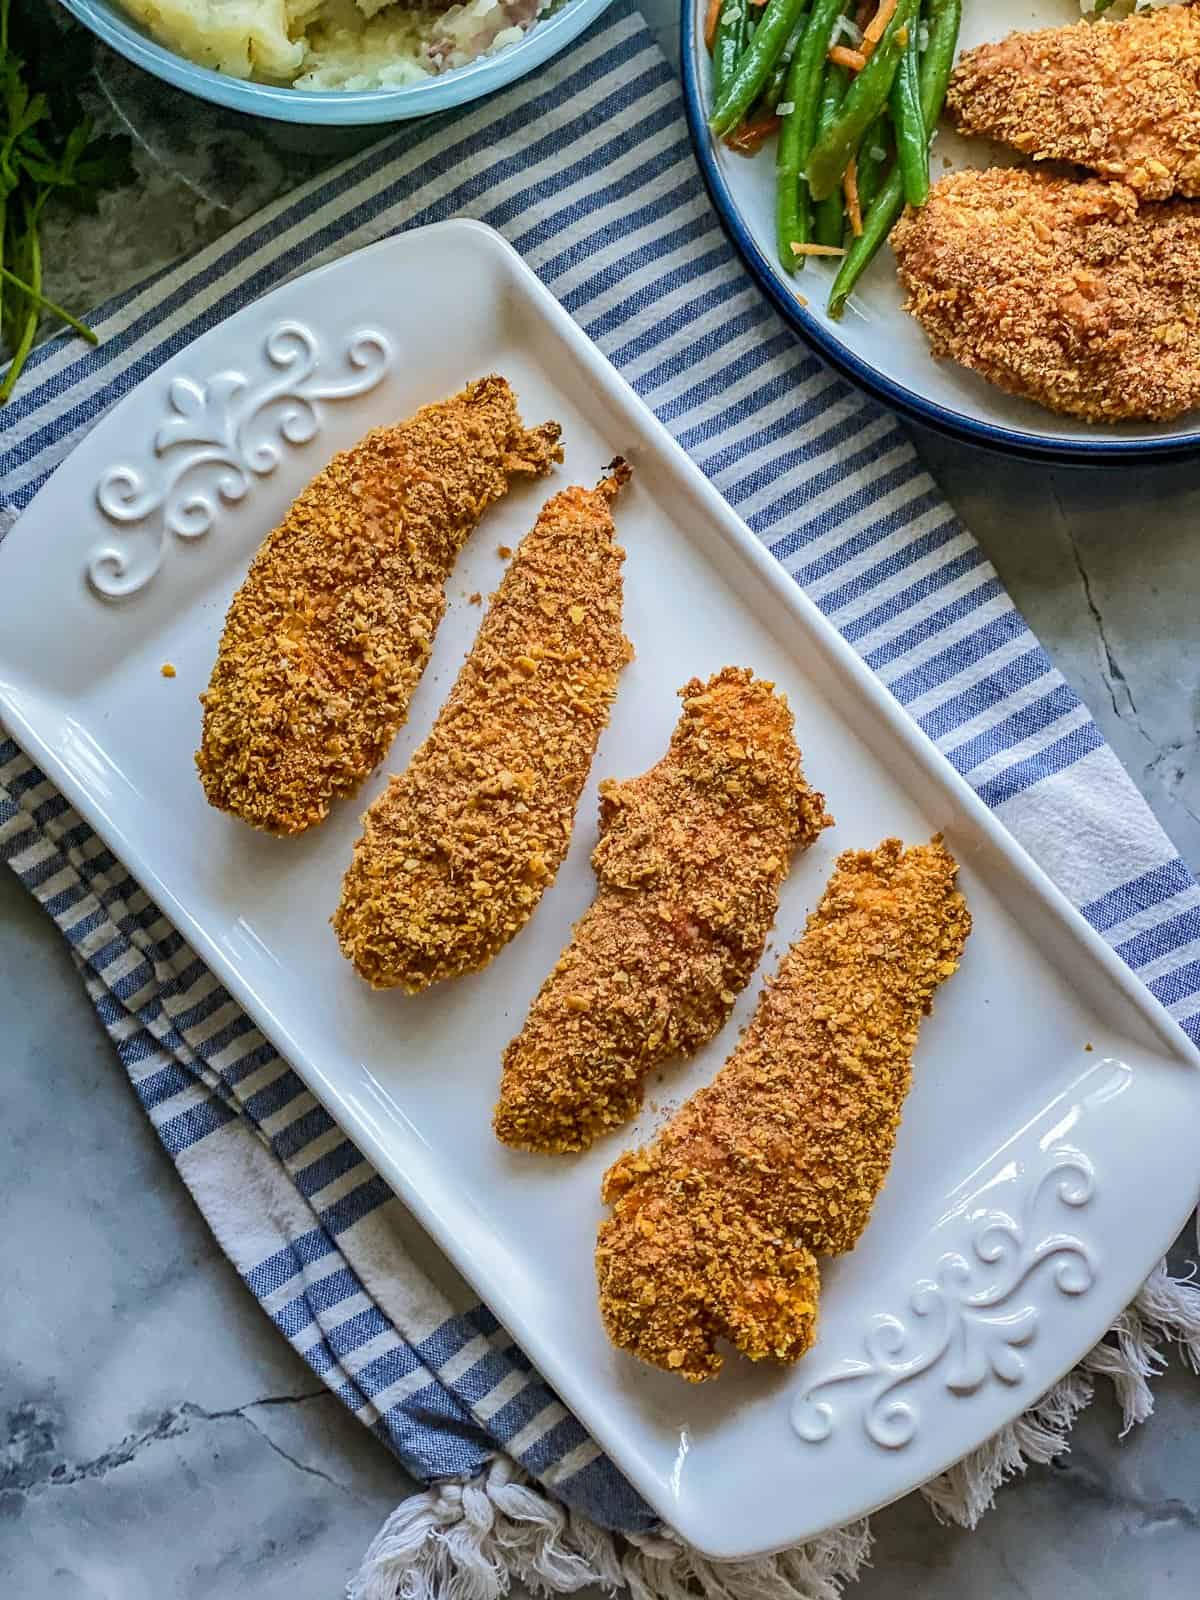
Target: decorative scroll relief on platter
218,436
970,1323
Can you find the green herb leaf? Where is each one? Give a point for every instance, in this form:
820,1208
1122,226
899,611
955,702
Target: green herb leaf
48,154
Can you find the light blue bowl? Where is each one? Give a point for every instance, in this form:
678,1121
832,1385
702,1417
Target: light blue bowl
333,107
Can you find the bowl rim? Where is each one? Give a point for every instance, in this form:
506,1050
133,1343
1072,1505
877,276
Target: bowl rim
337,107
909,402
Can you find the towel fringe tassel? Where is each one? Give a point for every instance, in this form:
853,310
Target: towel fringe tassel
472,1540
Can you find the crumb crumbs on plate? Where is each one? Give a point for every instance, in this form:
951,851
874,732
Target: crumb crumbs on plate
504,551
167,669
475,599
1089,1046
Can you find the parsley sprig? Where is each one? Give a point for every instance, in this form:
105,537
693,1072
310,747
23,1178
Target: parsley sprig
49,154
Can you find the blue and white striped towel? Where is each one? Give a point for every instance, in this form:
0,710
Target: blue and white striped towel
588,172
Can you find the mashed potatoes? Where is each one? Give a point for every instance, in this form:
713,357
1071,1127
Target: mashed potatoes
335,44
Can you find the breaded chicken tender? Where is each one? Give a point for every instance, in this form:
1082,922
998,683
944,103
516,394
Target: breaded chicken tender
458,850
1066,293
717,1224
327,638
690,860
1120,97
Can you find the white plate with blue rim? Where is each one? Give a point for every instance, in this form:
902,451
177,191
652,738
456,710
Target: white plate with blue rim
1049,1085
876,344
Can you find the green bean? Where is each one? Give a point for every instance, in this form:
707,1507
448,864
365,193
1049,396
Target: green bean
867,96
793,213
827,213
797,129
728,45
937,62
945,18
877,224
773,93
879,221
912,141
755,63
870,164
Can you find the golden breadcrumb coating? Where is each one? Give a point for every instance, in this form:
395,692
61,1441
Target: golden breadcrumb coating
459,849
690,860
1120,97
717,1224
1066,293
327,637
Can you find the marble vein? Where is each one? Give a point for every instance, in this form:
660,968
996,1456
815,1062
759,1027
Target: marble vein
32,1442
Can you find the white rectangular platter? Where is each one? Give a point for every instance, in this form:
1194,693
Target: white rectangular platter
1017,1219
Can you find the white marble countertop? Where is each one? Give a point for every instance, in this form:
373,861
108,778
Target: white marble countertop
159,1440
